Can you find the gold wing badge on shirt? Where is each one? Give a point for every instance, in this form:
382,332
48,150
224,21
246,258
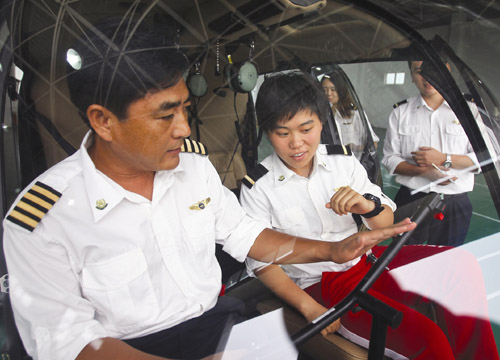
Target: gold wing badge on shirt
200,205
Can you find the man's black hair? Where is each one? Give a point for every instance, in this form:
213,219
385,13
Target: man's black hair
416,53
282,96
121,62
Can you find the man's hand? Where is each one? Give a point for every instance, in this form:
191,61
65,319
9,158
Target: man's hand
346,200
358,244
433,174
427,155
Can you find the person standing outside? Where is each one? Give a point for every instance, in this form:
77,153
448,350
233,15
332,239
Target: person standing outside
347,117
428,151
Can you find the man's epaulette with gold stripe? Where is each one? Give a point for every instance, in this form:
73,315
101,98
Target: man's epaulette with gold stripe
338,150
400,103
33,206
253,175
192,146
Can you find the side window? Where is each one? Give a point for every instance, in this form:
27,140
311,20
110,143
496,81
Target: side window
12,160
382,85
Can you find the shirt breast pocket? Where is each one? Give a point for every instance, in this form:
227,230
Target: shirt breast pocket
200,228
456,139
289,220
410,138
199,224
121,291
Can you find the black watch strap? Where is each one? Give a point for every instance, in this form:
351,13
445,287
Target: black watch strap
378,206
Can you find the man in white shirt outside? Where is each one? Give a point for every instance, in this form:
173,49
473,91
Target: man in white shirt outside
424,144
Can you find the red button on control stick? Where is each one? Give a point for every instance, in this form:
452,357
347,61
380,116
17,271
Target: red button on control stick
439,216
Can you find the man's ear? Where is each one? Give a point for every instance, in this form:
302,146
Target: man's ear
101,120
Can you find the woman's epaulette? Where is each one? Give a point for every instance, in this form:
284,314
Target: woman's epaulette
253,175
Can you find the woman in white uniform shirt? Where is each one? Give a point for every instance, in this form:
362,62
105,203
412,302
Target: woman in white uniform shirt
347,117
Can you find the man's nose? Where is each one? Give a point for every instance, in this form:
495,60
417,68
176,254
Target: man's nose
182,128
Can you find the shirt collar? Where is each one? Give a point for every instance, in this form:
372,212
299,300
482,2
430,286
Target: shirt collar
321,158
420,103
282,173
103,193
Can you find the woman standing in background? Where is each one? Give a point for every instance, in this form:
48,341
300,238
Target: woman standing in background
347,117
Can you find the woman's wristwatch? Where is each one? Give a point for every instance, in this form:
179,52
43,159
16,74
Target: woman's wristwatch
378,206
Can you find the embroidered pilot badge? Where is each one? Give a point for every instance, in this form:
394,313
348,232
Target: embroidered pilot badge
200,205
34,205
101,204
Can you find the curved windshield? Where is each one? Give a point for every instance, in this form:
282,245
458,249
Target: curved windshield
404,112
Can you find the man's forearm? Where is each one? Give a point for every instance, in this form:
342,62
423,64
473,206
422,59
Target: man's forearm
405,168
275,247
461,161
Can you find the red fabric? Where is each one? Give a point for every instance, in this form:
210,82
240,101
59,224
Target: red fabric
417,337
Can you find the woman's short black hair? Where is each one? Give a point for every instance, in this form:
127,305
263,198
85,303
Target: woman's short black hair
121,62
282,96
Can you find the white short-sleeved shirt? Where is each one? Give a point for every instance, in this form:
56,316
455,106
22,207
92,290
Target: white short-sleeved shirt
296,205
106,262
352,131
414,124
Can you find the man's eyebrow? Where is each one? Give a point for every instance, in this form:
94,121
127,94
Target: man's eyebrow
167,105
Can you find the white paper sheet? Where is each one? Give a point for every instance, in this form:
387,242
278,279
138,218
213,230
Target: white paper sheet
263,337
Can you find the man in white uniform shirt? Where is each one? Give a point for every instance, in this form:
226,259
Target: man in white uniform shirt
111,252
425,143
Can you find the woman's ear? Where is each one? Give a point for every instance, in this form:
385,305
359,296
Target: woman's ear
101,120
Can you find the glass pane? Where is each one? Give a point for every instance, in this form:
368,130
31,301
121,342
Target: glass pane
232,46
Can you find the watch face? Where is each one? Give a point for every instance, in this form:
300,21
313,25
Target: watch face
447,164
